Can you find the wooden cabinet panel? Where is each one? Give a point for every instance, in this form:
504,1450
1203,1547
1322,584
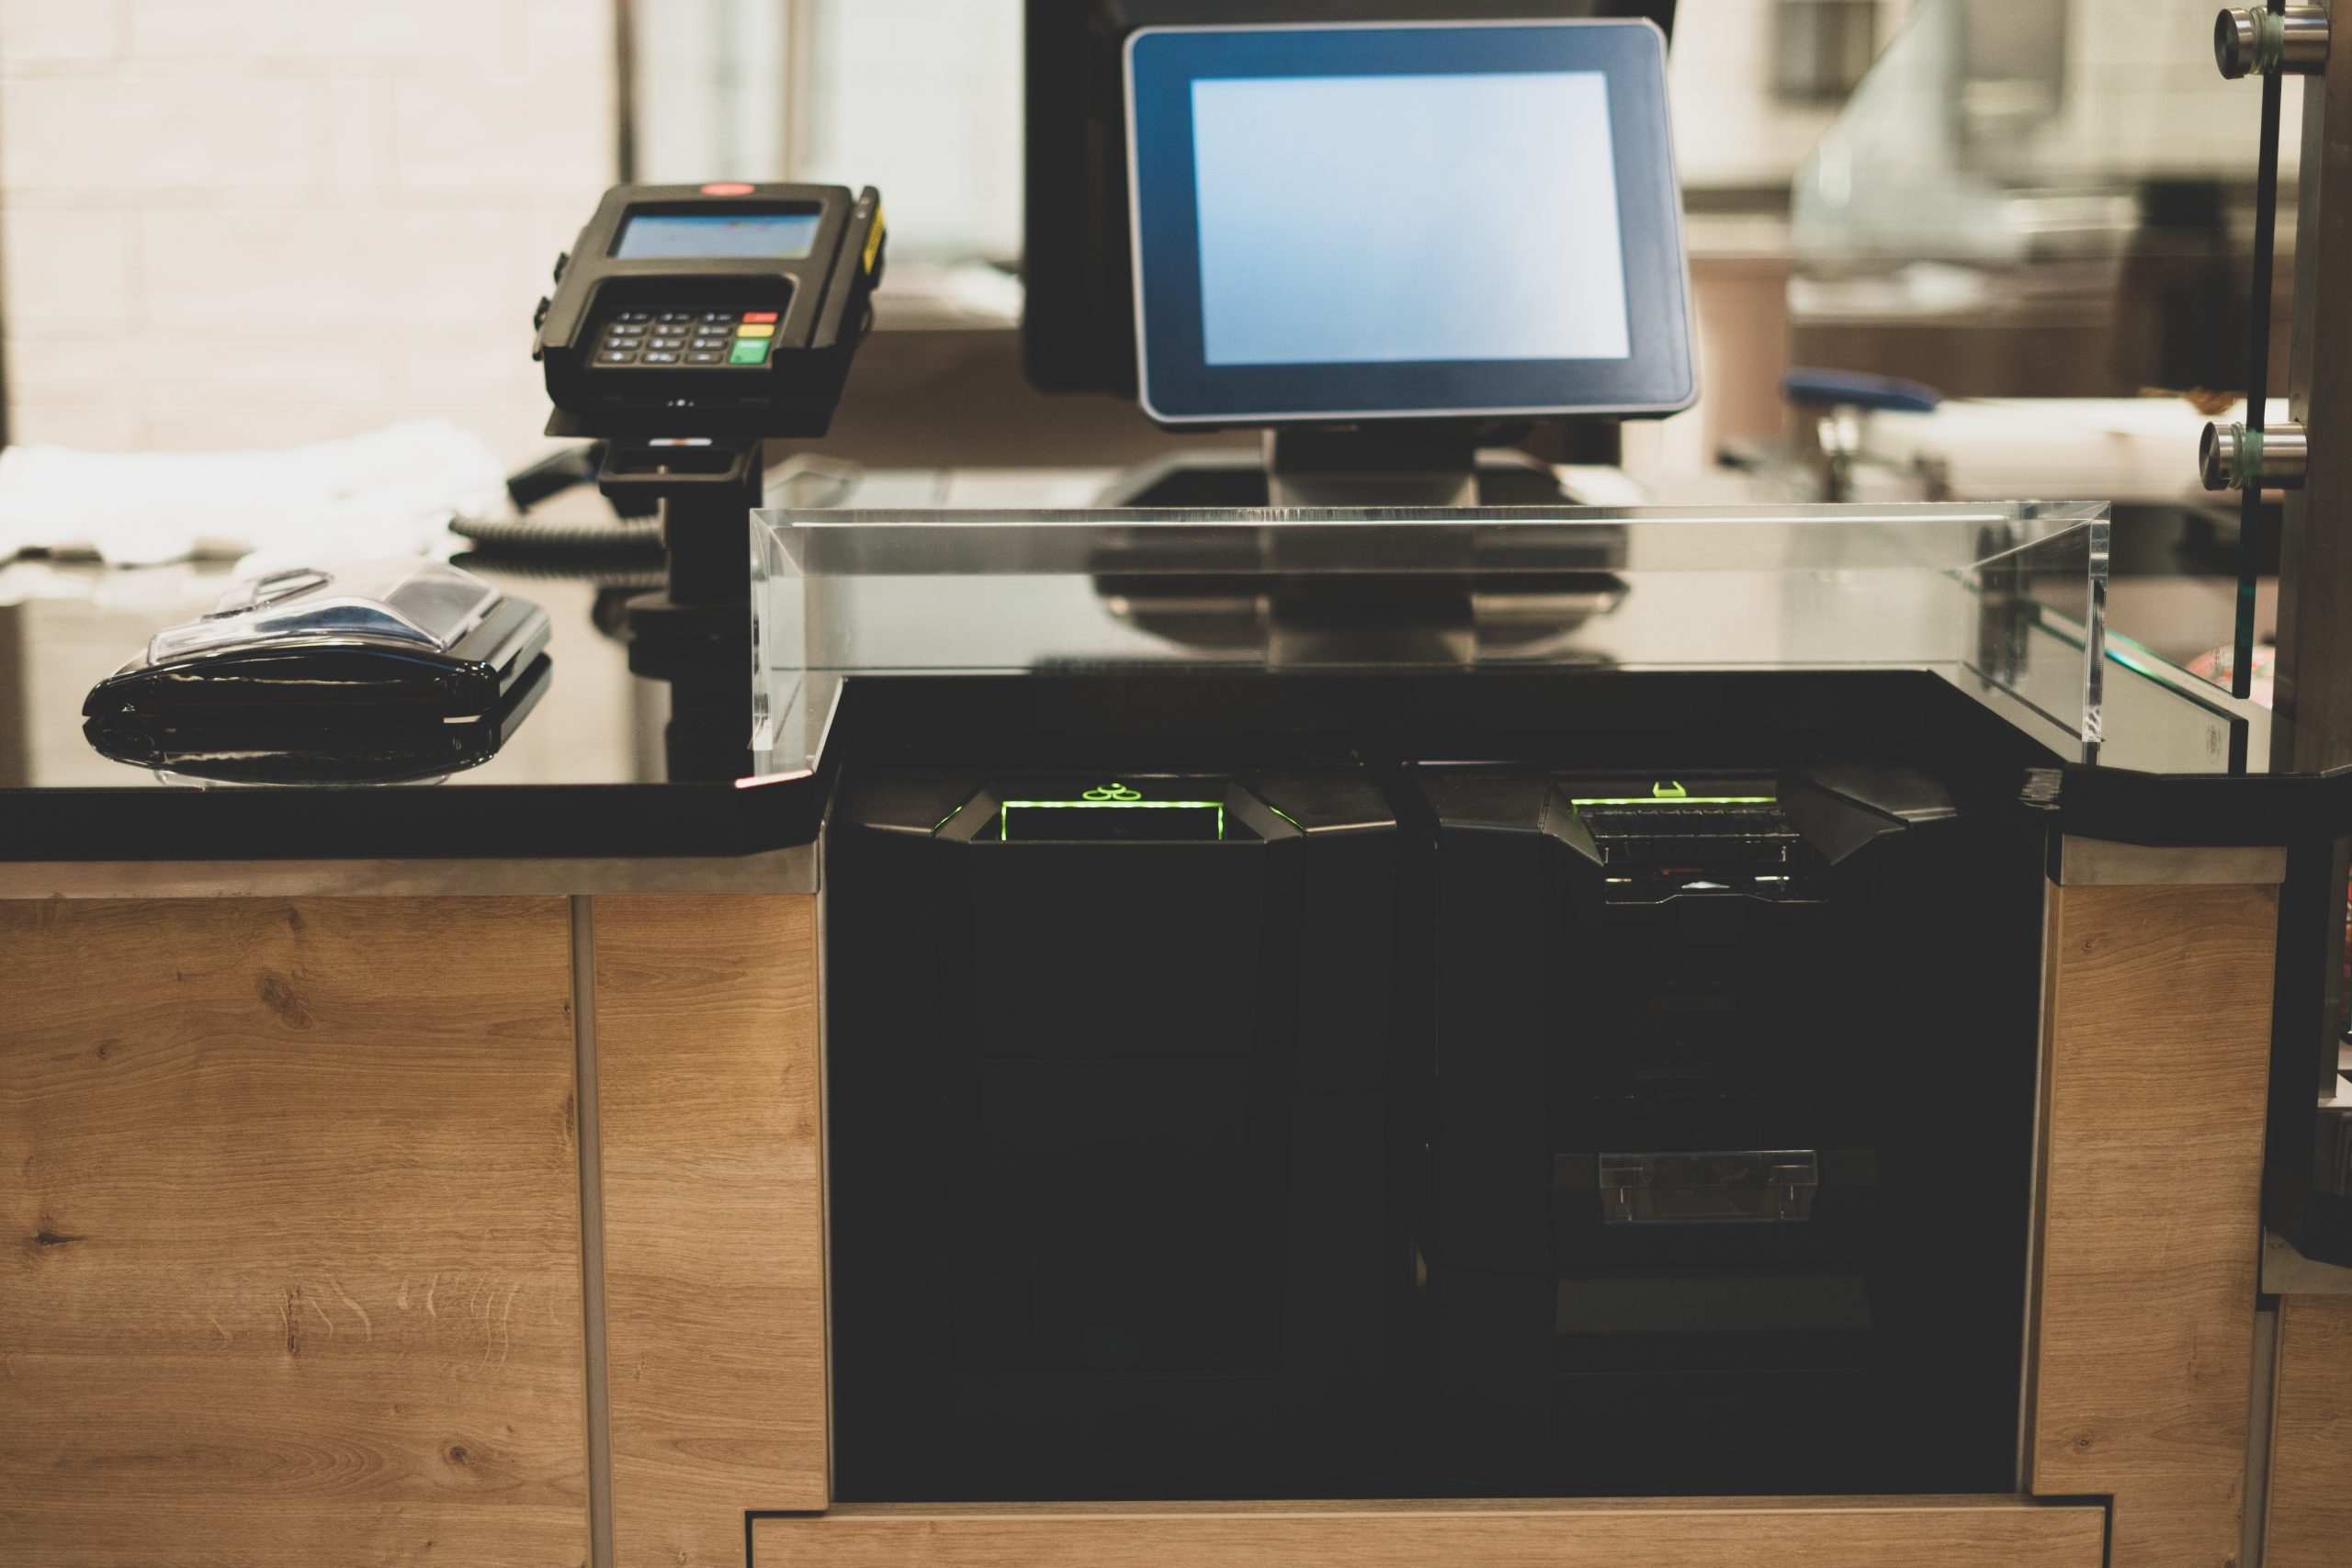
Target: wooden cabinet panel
2158,1008
1914,1533
2311,1442
710,1112
289,1250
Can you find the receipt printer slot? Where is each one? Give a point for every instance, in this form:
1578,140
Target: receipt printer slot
1759,1187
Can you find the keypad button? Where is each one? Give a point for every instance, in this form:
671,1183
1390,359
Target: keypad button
750,329
632,315
660,356
717,342
706,356
768,316
677,315
719,315
748,351
618,356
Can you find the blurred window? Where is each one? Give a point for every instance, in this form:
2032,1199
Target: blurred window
919,98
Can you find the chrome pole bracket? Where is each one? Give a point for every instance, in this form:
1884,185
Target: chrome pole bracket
2254,41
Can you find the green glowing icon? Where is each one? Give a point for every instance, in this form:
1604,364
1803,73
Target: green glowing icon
1680,796
1113,791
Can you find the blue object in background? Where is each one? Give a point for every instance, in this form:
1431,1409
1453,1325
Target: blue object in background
1853,389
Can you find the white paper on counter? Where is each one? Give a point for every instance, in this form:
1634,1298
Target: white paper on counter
391,492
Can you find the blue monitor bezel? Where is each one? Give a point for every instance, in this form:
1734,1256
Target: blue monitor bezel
1179,386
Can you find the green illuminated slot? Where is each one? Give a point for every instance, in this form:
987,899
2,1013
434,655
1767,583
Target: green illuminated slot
1117,805
1004,810
1672,791
1677,800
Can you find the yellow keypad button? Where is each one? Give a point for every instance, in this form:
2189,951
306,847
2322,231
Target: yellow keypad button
756,329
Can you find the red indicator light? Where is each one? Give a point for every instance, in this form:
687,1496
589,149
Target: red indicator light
726,187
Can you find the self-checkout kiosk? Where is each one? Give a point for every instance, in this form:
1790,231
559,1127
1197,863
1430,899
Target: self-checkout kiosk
1348,977
1331,1008
1329,1027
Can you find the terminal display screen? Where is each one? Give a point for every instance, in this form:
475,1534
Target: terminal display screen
716,236
1408,218
1339,221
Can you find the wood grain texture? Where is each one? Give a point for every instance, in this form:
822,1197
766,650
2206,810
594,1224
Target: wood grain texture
290,1252
2311,1442
2159,1051
714,1218
1894,1533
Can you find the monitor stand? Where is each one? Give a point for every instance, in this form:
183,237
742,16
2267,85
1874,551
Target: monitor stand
1401,463
1446,618
1393,465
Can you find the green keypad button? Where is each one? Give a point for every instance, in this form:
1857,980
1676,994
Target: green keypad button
747,351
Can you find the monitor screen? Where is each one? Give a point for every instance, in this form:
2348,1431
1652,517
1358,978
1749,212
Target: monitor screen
1357,219
1341,222
1077,318
716,236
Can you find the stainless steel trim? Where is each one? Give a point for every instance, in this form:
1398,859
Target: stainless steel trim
2037,1180
2312,724
2312,728
2094,862
2283,457
2286,1272
2300,40
589,1137
790,870
825,1160
2261,1410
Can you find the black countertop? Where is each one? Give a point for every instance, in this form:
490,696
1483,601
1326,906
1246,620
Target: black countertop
602,765
595,767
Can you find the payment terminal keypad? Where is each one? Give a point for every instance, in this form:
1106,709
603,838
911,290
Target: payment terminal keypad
700,337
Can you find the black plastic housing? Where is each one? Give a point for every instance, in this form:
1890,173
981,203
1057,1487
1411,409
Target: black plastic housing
1078,333
1114,1211
376,748
1871,1005
823,302
301,681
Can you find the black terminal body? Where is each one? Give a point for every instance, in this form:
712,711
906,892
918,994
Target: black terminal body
713,310
1078,333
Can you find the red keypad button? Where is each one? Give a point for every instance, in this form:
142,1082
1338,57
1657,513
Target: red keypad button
758,315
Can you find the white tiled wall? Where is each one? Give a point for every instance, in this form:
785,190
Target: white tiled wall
230,223
1729,128
2143,96
923,99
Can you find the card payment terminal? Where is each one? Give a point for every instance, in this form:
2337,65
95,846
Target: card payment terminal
719,310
